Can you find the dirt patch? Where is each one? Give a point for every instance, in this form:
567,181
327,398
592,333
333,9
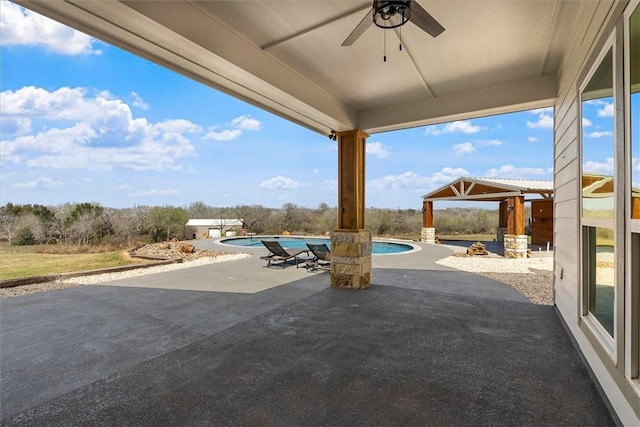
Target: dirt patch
171,250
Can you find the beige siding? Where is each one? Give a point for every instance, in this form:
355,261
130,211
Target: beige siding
594,23
590,21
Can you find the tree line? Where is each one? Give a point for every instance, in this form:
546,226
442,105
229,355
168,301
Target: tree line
90,223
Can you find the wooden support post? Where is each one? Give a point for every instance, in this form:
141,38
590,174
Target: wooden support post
515,241
515,215
502,216
635,207
351,179
351,243
427,214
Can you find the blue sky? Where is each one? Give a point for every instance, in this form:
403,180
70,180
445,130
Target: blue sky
84,121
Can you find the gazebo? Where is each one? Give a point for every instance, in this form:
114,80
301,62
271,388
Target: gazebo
510,193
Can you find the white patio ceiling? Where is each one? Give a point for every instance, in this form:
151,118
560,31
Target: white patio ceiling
285,56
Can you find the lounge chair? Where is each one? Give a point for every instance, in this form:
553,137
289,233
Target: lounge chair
321,256
281,255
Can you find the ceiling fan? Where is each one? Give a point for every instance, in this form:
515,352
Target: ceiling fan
394,14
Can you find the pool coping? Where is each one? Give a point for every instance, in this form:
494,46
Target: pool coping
414,247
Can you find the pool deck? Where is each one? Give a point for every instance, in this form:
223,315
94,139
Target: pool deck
239,344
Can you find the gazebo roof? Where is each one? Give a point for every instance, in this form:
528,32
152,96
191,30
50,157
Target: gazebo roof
490,189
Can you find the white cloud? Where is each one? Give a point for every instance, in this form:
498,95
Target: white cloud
245,123
404,180
453,127
545,110
447,174
138,101
532,139
279,183
545,118
512,172
463,149
377,149
124,187
597,134
19,26
155,192
605,167
586,122
411,179
225,135
607,111
97,132
44,182
495,142
235,129
14,125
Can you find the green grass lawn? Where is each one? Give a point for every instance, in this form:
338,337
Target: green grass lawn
22,261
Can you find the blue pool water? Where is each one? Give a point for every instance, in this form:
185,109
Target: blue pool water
300,243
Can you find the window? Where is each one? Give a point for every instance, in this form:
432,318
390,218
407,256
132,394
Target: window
633,92
632,192
598,195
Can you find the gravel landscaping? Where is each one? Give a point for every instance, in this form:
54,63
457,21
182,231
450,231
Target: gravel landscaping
533,277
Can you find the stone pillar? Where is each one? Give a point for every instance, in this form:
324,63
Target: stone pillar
500,232
351,259
351,243
515,245
428,235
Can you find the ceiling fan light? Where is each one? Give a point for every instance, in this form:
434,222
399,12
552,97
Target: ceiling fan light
391,14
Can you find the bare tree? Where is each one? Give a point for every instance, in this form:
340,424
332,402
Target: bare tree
254,217
8,223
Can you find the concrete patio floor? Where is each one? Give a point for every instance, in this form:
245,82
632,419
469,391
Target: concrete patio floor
237,344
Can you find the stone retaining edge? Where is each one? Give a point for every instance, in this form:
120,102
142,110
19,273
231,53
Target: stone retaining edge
11,283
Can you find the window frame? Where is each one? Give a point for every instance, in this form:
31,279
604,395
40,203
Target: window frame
607,341
632,226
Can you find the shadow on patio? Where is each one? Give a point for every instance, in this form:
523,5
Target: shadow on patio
419,347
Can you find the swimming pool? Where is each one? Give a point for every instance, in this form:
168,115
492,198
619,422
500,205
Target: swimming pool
379,248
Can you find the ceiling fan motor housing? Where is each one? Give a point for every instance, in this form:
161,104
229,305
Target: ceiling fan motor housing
391,14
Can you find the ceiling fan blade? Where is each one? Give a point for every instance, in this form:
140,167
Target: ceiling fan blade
366,22
424,20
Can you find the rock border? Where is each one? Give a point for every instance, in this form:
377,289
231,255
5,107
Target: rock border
12,283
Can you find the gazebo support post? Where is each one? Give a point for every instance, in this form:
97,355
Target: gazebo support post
515,241
502,221
428,232
351,243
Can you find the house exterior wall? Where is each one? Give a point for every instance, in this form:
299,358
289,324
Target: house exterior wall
593,26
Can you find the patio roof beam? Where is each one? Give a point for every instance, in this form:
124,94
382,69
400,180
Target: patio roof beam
517,96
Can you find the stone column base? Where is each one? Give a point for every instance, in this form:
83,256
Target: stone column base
351,259
500,232
428,235
515,245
